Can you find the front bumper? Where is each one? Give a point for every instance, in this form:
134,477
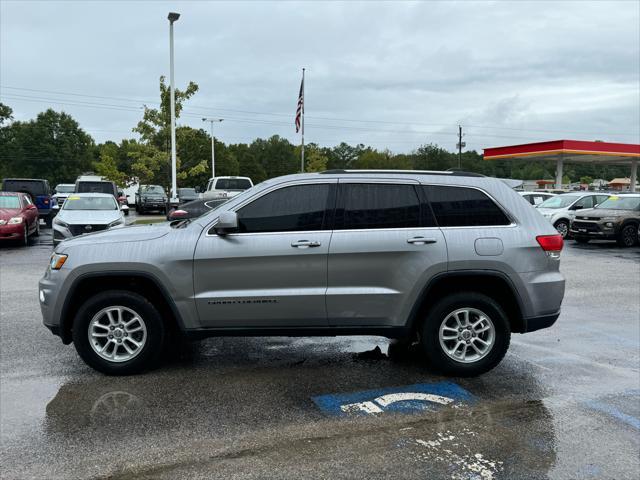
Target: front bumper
11,232
603,230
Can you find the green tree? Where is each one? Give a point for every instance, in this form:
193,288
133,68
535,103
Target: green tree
155,125
108,168
586,179
6,113
314,159
53,146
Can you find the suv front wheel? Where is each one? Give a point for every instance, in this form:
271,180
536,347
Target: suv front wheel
465,334
118,333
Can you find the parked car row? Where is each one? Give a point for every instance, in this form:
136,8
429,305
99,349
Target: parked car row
584,216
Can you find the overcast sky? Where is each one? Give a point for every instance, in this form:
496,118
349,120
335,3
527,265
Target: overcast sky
389,74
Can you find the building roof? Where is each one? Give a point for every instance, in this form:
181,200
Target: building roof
620,181
576,151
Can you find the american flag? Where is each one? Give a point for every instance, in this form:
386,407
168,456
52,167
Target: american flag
300,107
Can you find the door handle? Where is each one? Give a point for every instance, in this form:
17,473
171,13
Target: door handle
421,240
305,244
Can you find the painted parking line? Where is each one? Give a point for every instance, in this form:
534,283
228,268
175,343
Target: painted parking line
406,399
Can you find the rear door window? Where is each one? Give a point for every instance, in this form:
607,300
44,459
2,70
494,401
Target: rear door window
375,205
464,207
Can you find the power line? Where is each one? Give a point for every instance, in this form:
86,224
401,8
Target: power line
194,107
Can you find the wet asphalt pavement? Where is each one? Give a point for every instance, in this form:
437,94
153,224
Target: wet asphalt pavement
564,403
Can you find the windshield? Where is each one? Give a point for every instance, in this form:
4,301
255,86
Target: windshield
232,184
187,192
7,201
75,202
65,188
153,189
95,187
561,201
620,203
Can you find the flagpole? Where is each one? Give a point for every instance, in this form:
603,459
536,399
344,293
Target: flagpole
302,151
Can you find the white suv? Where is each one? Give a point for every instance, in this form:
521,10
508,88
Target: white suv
560,210
226,187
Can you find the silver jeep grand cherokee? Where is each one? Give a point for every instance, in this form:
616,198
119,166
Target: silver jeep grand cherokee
455,261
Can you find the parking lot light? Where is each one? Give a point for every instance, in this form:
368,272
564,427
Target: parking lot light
174,186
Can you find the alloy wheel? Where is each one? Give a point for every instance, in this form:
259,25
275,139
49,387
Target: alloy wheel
467,335
117,334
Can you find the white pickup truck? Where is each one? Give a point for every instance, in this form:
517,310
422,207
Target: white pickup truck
226,187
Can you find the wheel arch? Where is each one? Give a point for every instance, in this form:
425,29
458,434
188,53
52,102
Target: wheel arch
491,283
142,283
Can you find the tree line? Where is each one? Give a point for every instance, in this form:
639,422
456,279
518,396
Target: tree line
54,146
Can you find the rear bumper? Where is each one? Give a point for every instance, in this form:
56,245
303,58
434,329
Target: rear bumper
538,323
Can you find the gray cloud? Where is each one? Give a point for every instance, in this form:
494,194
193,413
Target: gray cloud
511,72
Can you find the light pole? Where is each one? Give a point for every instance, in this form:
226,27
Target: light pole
213,144
173,17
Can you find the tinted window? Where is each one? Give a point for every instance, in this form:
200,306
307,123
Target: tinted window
464,207
289,209
34,187
233,184
364,205
95,187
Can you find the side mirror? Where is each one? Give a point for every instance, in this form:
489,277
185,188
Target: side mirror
227,223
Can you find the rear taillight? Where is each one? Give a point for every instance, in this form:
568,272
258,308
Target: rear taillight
552,244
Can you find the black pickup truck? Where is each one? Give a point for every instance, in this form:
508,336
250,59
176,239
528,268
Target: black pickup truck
151,197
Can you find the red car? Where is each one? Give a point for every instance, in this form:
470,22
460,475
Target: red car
18,217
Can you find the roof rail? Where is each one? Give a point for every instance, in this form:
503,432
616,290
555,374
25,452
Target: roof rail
451,173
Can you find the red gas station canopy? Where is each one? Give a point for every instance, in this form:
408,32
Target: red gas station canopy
577,151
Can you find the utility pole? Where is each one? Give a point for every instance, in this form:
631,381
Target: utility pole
174,184
213,144
460,145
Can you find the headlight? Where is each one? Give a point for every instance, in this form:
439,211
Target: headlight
15,220
57,221
117,222
57,260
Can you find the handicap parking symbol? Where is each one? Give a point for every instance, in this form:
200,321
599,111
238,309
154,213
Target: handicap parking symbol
406,399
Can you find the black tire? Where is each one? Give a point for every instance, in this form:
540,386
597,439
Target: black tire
24,241
435,316
150,352
628,235
48,221
582,240
37,231
126,212
562,226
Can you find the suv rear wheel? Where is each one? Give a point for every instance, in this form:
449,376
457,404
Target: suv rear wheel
118,333
465,334
628,236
